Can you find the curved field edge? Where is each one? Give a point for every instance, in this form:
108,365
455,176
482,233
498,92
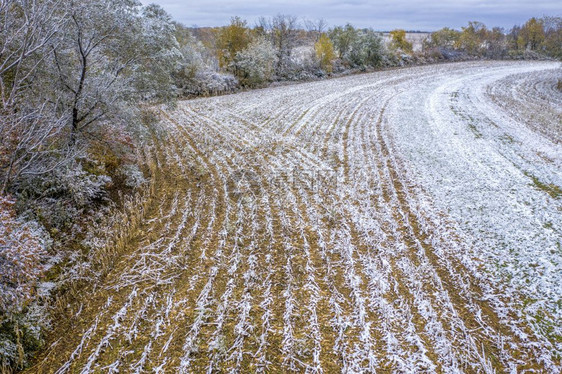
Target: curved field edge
376,222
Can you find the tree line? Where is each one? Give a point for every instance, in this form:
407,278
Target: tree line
284,48
78,78
538,37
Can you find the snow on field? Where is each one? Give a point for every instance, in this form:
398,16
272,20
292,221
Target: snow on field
401,221
482,167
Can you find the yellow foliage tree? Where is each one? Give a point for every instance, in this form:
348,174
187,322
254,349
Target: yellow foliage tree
230,40
532,35
473,37
325,52
398,41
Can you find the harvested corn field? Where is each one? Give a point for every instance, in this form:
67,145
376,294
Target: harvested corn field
399,221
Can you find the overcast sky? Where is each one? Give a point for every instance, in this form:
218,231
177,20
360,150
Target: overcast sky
381,15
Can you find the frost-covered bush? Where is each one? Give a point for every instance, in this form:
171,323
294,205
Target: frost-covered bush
78,186
390,60
60,199
366,50
207,83
195,58
306,65
20,337
22,249
133,176
255,65
22,253
84,187
192,62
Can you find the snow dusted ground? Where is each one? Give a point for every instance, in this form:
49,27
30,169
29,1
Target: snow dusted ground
533,99
401,221
481,161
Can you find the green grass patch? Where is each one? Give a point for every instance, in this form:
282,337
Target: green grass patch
550,188
508,139
475,131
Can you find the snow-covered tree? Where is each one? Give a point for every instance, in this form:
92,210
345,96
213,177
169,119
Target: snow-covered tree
367,49
553,36
28,125
27,27
316,28
196,59
357,47
343,39
283,32
102,60
256,64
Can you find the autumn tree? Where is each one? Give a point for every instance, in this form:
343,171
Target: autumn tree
444,38
496,42
325,52
472,38
399,42
531,35
230,40
543,35
553,36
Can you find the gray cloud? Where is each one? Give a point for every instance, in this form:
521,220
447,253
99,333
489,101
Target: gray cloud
381,15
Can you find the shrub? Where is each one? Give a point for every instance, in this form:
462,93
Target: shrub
22,249
208,83
22,252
